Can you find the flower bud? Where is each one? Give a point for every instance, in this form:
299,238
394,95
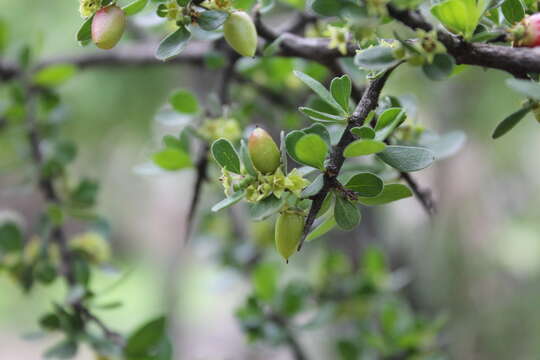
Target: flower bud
289,230
240,33
108,26
527,32
263,151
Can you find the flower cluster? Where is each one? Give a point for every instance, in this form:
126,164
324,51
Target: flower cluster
263,186
422,51
227,128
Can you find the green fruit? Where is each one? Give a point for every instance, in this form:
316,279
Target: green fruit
240,33
263,151
289,230
108,27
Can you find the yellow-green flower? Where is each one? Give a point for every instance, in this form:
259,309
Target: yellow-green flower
295,182
31,250
338,38
173,10
278,182
94,245
213,129
429,44
88,8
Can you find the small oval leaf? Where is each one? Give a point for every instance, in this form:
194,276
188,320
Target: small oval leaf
363,147
347,215
365,184
407,158
225,155
311,150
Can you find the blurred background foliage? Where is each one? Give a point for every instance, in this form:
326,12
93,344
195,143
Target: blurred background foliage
477,265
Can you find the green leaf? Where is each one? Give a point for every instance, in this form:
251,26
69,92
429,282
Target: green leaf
212,19
510,121
314,188
225,203
528,88
54,75
459,16
319,130
246,159
290,143
184,101
341,88
311,150
10,238
363,147
173,44
346,213
328,222
85,31
135,7
441,67
85,194
407,158
387,117
363,132
265,208
319,89
283,150
327,7
265,281
147,340
66,349
172,159
225,155
376,58
365,184
513,11
391,192
320,116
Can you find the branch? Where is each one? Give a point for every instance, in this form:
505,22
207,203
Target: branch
122,56
516,61
369,102
423,195
202,161
296,349
291,45
58,235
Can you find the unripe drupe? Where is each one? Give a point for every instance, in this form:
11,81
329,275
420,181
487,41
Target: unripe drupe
263,151
289,229
240,33
527,32
108,27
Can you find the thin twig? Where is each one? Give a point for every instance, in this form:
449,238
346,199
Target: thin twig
424,196
201,169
